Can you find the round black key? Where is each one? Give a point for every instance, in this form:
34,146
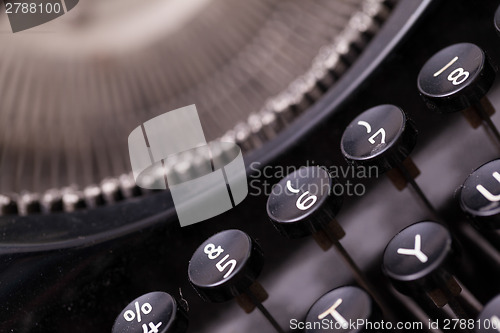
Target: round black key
225,265
455,78
480,196
302,203
156,312
489,319
419,257
496,21
342,310
380,136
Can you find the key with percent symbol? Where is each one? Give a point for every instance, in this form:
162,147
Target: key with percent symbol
155,312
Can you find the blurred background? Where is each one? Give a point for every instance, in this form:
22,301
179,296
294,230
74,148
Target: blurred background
74,88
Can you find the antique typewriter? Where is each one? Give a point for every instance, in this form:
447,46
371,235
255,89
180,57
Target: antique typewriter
389,103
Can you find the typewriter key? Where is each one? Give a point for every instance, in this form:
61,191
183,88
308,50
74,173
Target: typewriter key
302,204
419,262
480,196
155,312
489,319
383,137
345,309
226,266
457,78
496,21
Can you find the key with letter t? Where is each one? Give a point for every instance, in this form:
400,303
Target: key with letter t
345,309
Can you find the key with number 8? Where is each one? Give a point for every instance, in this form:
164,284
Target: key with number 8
457,78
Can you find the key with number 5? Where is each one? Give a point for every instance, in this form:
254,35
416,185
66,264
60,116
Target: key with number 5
226,266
